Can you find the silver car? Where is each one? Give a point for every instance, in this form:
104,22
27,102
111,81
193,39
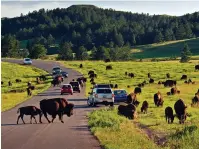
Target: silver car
101,96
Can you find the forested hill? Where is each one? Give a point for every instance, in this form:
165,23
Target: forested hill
88,26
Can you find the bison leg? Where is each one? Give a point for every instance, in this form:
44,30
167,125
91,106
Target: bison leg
22,118
61,117
18,118
45,114
31,119
35,119
53,116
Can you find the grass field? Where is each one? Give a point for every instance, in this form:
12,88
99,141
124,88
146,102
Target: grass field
11,72
154,120
166,49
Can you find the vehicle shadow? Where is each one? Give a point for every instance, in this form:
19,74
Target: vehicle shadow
11,124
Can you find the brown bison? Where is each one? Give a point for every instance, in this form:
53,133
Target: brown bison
145,106
29,110
174,91
151,80
169,115
197,67
132,98
195,100
109,67
56,106
184,77
158,99
180,109
131,75
127,110
169,83
137,90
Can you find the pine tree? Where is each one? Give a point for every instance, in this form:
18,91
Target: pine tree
185,54
65,51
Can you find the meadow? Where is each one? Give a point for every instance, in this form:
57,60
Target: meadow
11,72
165,49
177,136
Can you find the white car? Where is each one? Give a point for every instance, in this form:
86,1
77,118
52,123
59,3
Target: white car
27,61
101,96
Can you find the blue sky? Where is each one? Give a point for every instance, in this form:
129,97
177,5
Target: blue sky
15,8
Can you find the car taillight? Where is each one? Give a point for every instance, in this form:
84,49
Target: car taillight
96,96
113,95
62,89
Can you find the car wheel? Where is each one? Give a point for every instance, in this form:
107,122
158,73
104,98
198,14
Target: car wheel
88,102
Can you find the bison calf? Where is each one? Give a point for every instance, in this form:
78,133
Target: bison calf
29,110
145,106
169,115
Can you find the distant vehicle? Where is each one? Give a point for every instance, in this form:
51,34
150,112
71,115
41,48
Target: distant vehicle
102,86
76,86
56,70
120,95
101,96
27,61
64,74
66,88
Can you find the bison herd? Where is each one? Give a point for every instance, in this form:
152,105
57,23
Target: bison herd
53,107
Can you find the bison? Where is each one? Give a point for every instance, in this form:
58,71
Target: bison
158,99
151,80
195,100
169,83
56,106
109,67
18,80
128,111
174,91
184,77
145,106
132,98
91,72
197,67
29,92
131,75
169,115
116,86
126,73
80,66
2,82
29,110
137,90
180,109
107,60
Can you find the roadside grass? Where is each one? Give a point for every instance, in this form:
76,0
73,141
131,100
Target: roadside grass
11,72
166,49
154,119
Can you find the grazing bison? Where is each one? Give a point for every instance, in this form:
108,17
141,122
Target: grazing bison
137,90
159,82
149,75
80,66
195,100
169,115
174,91
131,75
151,80
9,83
29,110
141,85
107,60
168,75
91,72
197,67
93,75
184,77
56,106
180,109
18,80
169,83
158,99
109,67
132,98
145,106
128,111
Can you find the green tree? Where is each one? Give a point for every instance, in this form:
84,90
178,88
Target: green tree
158,37
82,53
50,40
37,51
185,54
65,51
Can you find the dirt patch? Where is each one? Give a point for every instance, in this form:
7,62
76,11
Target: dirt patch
157,137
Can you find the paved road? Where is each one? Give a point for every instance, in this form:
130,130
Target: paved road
73,134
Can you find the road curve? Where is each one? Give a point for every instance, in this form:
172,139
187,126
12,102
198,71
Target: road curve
73,134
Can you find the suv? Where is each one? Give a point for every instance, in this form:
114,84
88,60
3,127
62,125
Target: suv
76,86
56,70
27,61
102,86
66,88
101,96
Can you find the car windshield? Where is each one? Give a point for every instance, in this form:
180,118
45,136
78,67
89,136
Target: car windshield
104,91
57,68
27,59
103,86
117,92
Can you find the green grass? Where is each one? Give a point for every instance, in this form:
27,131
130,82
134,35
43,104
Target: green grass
154,120
166,49
10,71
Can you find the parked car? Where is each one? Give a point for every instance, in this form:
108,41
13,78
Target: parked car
120,95
102,86
66,88
56,70
27,61
101,96
64,74
76,86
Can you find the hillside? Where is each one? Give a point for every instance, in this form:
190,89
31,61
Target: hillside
166,49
